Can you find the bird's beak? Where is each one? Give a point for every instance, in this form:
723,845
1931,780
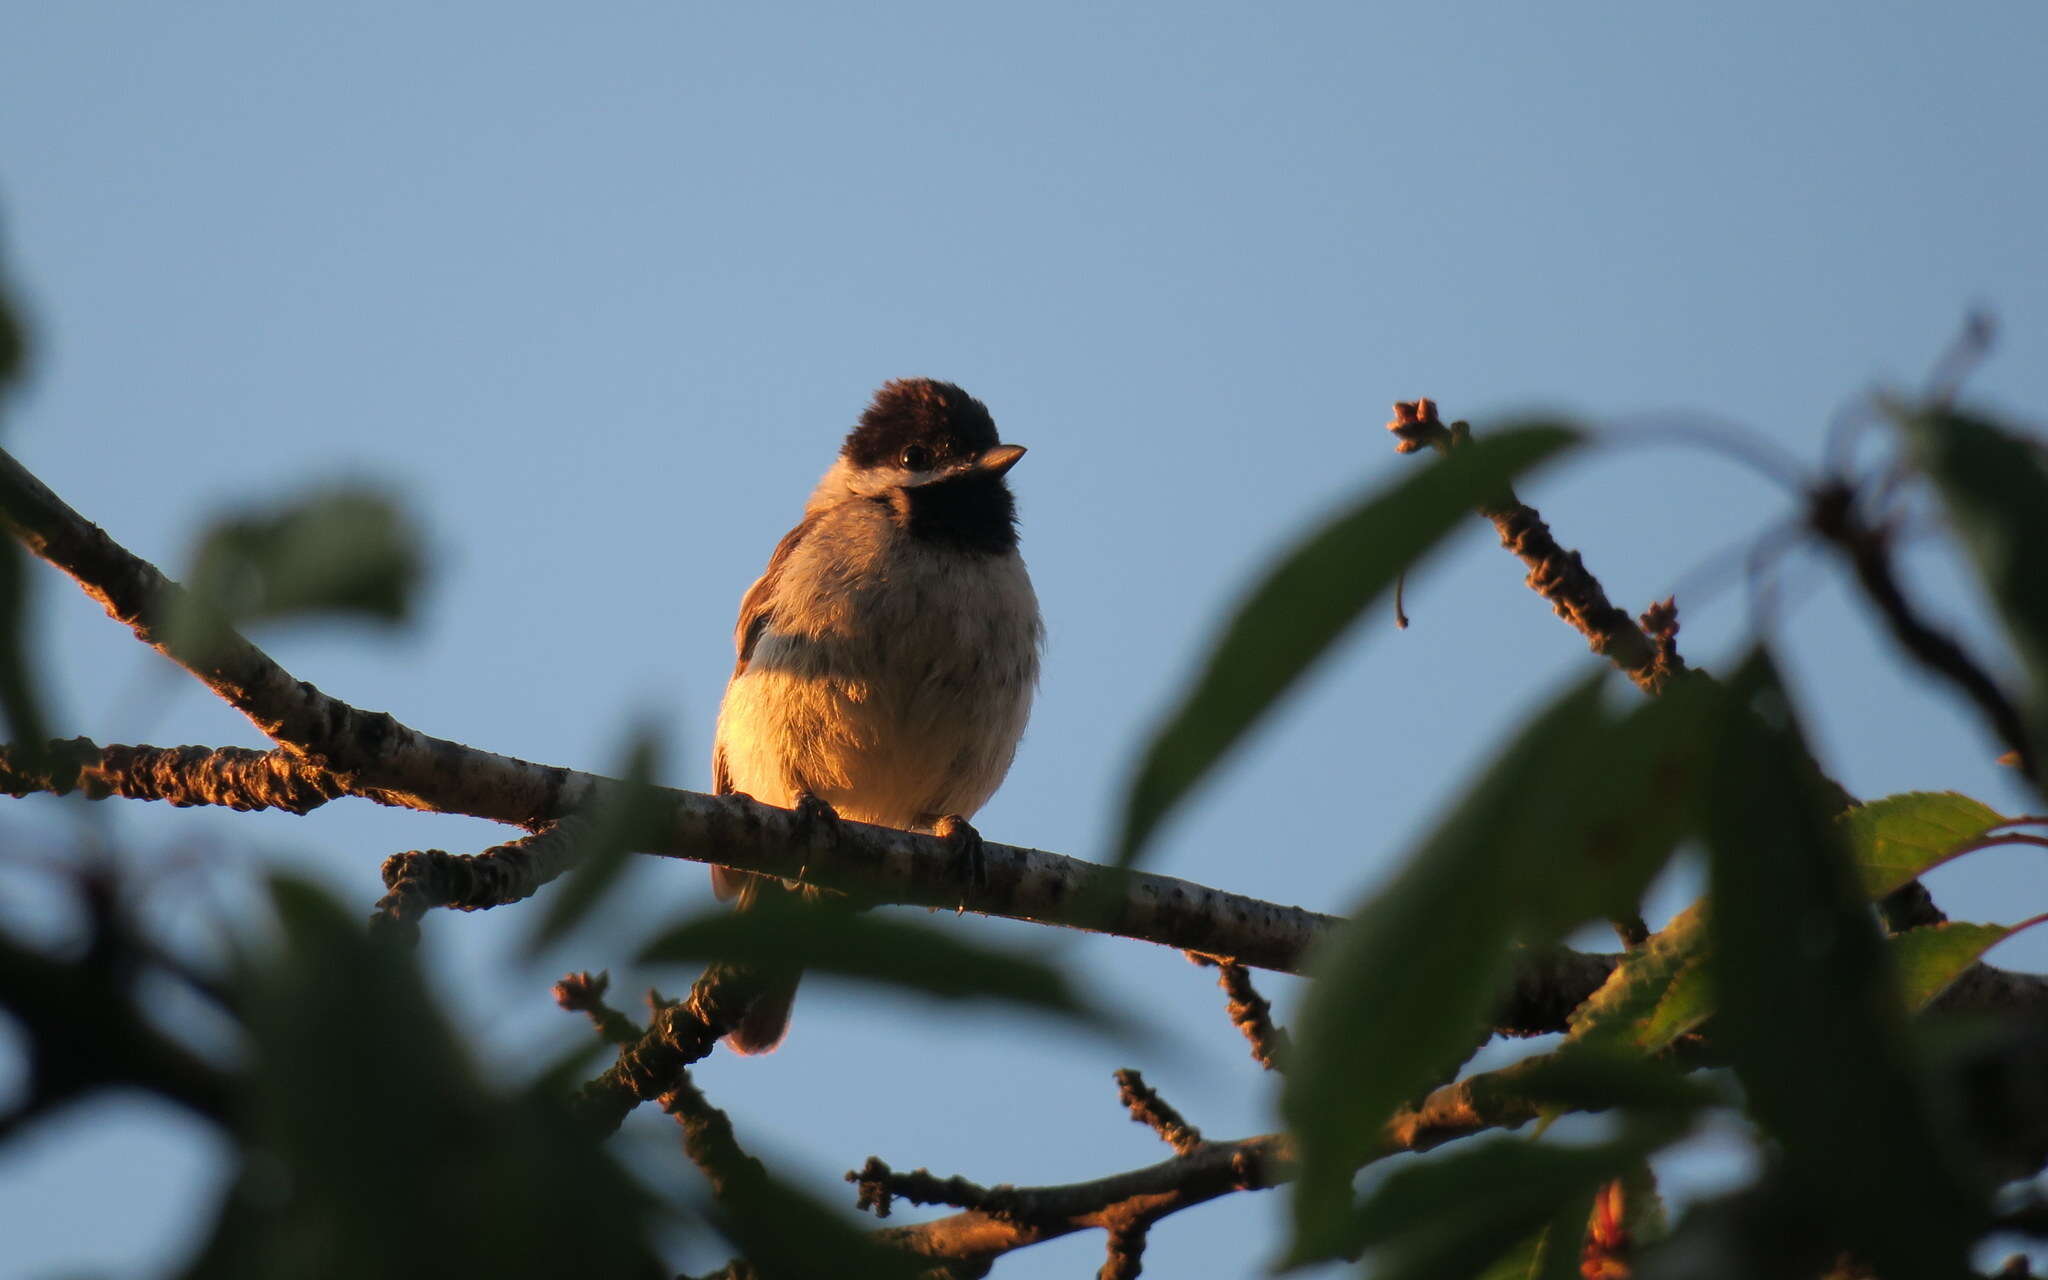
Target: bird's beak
999,459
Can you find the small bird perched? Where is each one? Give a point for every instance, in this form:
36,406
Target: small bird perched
889,652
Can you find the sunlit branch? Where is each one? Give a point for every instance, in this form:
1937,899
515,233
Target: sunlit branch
1249,1012
1556,574
328,743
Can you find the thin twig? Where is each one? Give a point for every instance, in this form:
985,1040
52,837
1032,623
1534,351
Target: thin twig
708,1138
1126,1251
1556,574
676,1036
510,872
1148,1108
584,993
1249,1012
1833,515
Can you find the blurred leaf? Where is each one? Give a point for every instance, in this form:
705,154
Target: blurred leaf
1756,1233
346,551
1455,1213
1895,839
561,1076
1529,1259
1306,602
1995,486
631,821
1553,1252
780,933
1400,992
1568,825
1686,1005
1586,1076
1657,993
372,1147
13,342
27,727
1808,1012
1612,811
787,1234
1933,956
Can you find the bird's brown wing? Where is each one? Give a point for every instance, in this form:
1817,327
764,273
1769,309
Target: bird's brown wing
756,612
755,609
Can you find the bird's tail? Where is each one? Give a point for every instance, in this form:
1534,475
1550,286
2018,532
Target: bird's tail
766,1020
761,1028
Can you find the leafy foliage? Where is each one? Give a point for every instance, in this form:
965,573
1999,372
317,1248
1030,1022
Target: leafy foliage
780,933
1461,1212
1656,994
1305,603
344,552
1899,837
1567,826
1930,958
1808,1008
368,1141
20,698
367,1133
1995,485
624,825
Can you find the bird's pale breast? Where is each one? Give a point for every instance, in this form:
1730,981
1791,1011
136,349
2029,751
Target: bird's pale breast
893,681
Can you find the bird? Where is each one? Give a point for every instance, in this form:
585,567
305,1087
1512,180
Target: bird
889,653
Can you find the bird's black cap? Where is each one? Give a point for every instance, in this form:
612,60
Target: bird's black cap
945,421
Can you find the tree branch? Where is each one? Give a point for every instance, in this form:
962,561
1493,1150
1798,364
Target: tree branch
1834,517
1148,1108
1647,652
236,777
1249,1012
69,1056
509,872
327,743
999,1220
584,993
1556,574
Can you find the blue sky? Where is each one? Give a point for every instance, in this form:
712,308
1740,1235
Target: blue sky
597,290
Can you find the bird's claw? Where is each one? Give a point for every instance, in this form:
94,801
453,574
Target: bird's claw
970,857
815,816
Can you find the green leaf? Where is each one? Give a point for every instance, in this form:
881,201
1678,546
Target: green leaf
1305,603
1808,1011
1456,1213
1933,956
1612,811
347,551
1589,1076
1553,1252
629,820
13,342
1684,1008
27,726
1995,486
1401,991
1569,825
1900,837
788,1235
779,933
372,1146
1656,994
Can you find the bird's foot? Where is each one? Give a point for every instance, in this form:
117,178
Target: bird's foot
970,858
815,817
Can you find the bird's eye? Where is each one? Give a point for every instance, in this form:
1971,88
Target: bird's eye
916,458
